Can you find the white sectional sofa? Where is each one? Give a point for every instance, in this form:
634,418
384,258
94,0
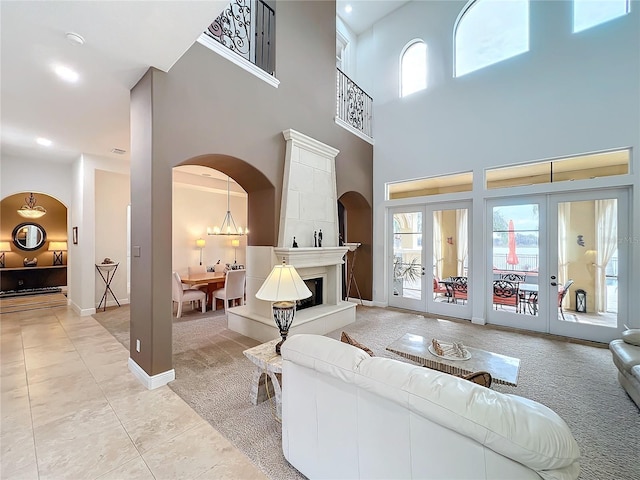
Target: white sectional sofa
346,415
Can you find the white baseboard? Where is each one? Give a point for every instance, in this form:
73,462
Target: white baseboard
379,304
367,303
83,312
151,382
478,320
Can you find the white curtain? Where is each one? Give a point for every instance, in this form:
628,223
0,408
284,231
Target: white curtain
438,259
462,239
606,246
564,218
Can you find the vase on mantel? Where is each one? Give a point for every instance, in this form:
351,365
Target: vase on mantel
30,263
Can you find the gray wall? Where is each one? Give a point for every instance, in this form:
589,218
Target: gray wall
208,108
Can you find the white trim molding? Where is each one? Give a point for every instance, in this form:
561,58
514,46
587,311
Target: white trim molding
151,382
233,57
355,131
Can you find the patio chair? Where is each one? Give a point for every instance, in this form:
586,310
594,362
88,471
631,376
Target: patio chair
458,289
514,277
506,293
562,293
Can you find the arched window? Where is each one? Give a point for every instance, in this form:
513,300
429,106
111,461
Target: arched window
489,31
413,68
589,13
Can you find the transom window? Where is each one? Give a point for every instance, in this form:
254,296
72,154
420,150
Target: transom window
490,31
413,68
589,13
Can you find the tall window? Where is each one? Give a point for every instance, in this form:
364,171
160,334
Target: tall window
413,68
489,31
589,13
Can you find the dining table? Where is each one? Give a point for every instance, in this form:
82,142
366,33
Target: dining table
213,281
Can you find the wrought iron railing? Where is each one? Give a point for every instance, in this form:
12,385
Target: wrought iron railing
353,105
247,27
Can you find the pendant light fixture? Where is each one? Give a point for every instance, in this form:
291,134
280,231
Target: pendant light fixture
228,226
30,209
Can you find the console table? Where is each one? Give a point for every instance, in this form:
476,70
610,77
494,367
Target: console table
268,370
107,271
19,278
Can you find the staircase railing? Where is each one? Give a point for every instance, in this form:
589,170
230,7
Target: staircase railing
354,106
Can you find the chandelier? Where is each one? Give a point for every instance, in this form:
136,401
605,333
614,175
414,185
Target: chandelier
228,226
30,209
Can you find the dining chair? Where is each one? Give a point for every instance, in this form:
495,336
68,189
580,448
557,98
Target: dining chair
506,293
233,288
562,294
190,295
439,288
199,270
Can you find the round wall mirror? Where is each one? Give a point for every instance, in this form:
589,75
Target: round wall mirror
29,236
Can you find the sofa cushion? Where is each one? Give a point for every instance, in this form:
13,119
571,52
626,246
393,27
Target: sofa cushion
635,371
632,336
625,355
347,339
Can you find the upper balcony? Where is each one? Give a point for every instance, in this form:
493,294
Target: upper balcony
244,33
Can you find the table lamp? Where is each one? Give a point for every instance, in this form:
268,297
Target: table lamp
4,247
283,286
235,244
200,245
57,248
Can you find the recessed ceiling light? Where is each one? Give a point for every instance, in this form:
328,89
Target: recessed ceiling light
206,174
348,8
66,73
118,151
75,38
45,142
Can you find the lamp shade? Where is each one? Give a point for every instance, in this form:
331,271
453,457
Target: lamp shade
57,246
200,243
5,247
235,243
282,284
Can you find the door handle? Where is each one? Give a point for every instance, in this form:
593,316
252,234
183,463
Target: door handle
554,284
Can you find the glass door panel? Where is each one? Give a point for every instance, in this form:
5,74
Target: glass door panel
406,275
450,252
591,264
516,263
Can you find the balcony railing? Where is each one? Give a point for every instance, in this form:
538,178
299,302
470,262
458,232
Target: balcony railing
247,27
354,106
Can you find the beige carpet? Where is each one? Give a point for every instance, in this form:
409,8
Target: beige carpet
32,302
576,380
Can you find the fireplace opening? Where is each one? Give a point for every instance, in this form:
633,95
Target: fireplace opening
315,285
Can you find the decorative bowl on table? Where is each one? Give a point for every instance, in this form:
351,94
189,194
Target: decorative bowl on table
449,351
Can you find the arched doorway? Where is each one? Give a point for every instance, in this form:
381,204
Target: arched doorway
356,225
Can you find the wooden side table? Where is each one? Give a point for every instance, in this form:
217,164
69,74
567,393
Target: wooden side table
268,370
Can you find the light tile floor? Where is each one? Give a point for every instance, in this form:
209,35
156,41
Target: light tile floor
71,409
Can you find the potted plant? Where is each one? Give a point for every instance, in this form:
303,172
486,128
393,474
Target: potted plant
405,271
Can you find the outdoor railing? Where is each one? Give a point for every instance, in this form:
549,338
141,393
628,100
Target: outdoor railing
247,27
353,105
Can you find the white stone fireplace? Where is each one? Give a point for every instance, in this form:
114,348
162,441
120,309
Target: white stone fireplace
309,204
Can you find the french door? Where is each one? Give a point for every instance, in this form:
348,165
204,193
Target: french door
429,261
562,257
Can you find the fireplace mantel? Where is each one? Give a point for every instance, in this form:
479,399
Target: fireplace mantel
311,256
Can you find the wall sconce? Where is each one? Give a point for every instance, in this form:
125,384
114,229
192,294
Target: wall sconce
200,245
57,248
4,247
283,286
235,243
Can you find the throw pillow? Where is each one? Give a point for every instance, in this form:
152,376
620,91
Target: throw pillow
347,339
632,336
481,378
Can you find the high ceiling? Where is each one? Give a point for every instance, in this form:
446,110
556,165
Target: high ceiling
122,40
